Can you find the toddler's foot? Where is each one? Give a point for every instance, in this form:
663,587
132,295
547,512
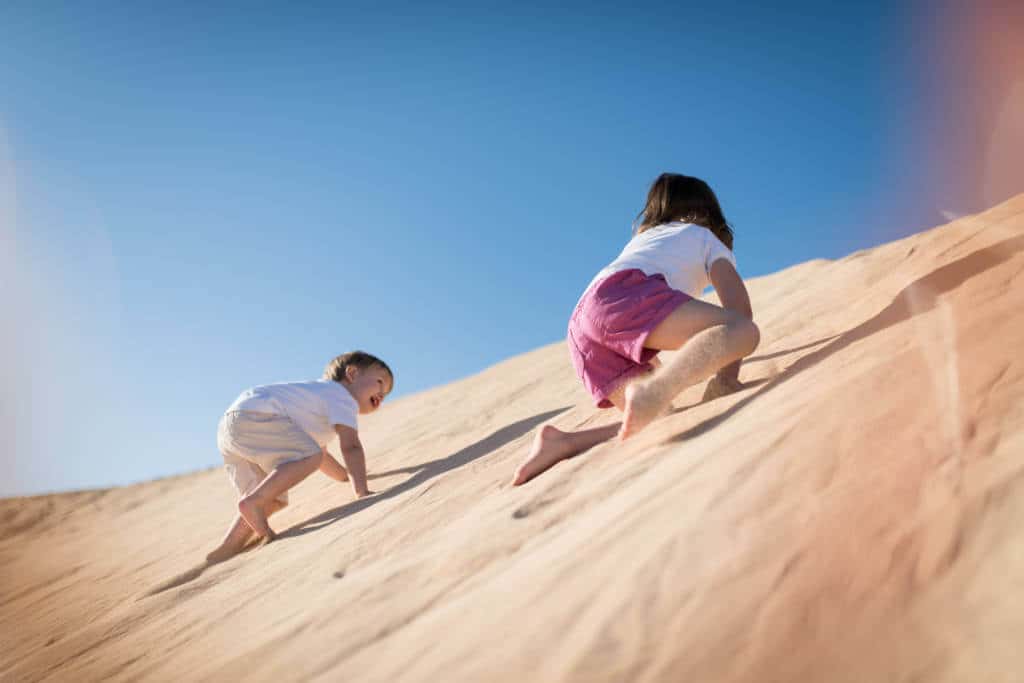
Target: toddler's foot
224,552
233,543
228,548
253,514
549,447
643,404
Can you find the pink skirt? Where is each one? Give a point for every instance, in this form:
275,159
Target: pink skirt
611,322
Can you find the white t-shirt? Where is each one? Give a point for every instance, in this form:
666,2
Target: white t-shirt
314,406
682,252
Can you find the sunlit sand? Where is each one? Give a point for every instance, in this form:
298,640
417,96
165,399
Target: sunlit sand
851,514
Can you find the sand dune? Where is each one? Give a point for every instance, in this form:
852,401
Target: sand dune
853,515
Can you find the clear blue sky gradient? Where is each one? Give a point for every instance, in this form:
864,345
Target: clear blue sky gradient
204,199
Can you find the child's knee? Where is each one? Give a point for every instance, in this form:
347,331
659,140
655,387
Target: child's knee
755,336
747,334
253,498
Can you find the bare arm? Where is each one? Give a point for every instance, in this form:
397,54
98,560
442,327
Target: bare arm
355,459
730,288
332,468
733,294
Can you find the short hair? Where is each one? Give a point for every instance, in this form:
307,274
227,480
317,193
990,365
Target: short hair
335,370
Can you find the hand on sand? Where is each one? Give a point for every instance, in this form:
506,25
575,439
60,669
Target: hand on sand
719,386
364,494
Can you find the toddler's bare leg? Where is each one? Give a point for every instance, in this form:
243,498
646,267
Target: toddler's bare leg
254,507
238,535
729,338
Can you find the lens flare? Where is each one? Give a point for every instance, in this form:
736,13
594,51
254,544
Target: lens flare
976,98
9,306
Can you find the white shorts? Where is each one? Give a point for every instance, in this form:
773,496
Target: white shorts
253,444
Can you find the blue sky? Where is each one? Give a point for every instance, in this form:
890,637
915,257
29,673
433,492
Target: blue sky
194,200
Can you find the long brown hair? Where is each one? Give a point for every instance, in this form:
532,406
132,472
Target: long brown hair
675,197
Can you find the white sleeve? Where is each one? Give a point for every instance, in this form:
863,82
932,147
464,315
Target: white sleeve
714,250
343,411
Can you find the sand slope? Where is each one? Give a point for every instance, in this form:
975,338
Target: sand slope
854,515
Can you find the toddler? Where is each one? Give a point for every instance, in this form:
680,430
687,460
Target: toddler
274,436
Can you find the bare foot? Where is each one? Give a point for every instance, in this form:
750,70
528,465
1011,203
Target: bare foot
253,514
549,447
233,542
229,547
643,404
260,542
224,552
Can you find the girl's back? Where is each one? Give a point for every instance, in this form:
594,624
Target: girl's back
682,252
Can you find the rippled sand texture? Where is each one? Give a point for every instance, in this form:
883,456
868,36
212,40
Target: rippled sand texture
854,515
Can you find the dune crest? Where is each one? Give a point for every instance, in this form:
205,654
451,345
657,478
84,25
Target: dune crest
852,515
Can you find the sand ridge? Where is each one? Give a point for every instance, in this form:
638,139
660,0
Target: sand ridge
851,515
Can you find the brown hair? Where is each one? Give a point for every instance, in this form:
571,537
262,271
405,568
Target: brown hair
335,370
675,197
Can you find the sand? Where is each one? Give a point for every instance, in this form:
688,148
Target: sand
853,515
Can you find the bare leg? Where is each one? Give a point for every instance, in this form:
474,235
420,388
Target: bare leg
238,535
685,324
253,507
552,445
708,338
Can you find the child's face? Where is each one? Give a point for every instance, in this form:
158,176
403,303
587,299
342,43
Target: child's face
368,386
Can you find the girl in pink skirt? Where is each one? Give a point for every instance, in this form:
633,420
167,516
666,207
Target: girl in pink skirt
644,302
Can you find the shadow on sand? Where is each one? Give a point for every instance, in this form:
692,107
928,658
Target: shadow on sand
179,580
786,352
424,472
705,399
916,298
197,571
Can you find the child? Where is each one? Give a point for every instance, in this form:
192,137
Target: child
645,302
274,436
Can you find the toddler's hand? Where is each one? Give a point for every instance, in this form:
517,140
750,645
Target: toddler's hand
364,494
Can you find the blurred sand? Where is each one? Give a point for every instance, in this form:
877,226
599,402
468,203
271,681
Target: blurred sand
854,515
